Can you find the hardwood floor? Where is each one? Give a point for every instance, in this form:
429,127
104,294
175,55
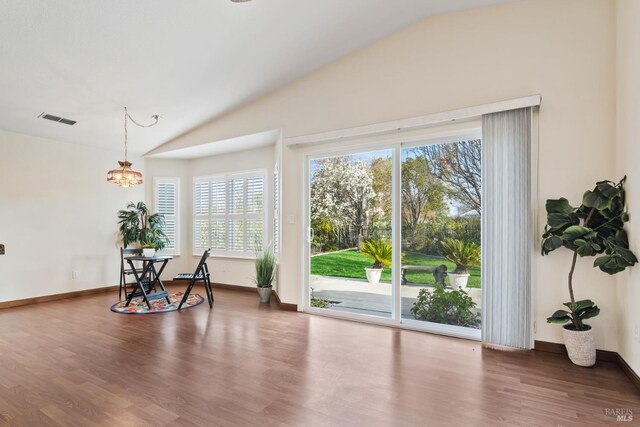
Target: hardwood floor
73,362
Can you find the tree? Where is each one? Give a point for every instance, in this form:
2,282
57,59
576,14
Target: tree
458,166
341,191
380,211
422,196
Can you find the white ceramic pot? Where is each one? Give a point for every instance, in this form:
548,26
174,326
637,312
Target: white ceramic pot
458,281
373,274
581,346
148,252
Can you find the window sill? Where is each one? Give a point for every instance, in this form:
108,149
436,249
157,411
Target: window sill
238,257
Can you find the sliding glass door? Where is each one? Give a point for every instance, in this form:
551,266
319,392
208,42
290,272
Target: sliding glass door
350,233
441,209
394,235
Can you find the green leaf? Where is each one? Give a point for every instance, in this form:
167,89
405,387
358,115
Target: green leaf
595,199
550,244
563,319
559,206
559,220
575,232
590,312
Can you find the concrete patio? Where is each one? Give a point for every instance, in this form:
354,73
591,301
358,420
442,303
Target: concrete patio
360,296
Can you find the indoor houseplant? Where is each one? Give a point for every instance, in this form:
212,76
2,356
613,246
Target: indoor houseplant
148,249
464,255
265,273
595,228
380,252
139,227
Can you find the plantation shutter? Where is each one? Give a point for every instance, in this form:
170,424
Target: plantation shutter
229,214
236,215
507,229
201,223
218,215
254,215
166,203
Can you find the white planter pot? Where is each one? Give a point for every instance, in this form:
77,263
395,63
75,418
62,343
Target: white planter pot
148,252
581,346
458,281
373,274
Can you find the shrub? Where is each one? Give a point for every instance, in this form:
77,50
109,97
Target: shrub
319,302
448,307
462,254
379,251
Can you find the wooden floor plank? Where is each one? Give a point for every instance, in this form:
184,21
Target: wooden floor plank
74,362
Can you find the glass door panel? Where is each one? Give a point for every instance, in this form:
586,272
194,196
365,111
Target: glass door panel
441,211
350,209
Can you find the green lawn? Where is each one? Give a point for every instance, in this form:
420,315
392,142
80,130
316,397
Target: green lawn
351,264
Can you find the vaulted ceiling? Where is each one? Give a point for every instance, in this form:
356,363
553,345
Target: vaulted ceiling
189,61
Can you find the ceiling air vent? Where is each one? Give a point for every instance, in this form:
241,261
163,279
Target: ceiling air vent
57,119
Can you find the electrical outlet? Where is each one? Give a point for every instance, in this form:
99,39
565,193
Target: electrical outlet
636,333
223,268
74,274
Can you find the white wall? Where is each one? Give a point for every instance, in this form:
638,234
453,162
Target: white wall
628,114
563,50
227,270
58,214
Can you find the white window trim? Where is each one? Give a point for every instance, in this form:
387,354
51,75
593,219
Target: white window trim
174,180
226,177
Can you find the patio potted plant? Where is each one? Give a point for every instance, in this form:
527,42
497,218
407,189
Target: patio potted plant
265,274
380,252
464,255
595,228
139,227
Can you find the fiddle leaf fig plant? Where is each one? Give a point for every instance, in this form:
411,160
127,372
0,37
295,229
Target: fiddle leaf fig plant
595,228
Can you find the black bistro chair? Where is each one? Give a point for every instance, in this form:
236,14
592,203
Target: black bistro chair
201,274
124,271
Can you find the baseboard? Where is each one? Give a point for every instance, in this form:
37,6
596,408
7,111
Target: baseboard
281,305
633,376
285,305
55,297
554,347
601,356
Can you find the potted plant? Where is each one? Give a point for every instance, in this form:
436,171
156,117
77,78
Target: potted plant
464,255
265,273
138,226
148,249
380,252
595,228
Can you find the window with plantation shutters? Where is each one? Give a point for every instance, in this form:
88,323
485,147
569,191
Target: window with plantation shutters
229,214
166,202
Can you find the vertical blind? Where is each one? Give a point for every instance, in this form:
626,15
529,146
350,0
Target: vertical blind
507,229
229,214
276,210
166,203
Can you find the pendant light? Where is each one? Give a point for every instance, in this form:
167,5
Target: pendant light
124,176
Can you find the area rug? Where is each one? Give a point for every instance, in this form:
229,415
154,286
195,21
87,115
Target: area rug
138,306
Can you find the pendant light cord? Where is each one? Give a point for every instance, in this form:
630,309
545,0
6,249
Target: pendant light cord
155,117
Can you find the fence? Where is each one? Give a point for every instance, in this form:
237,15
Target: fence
424,238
